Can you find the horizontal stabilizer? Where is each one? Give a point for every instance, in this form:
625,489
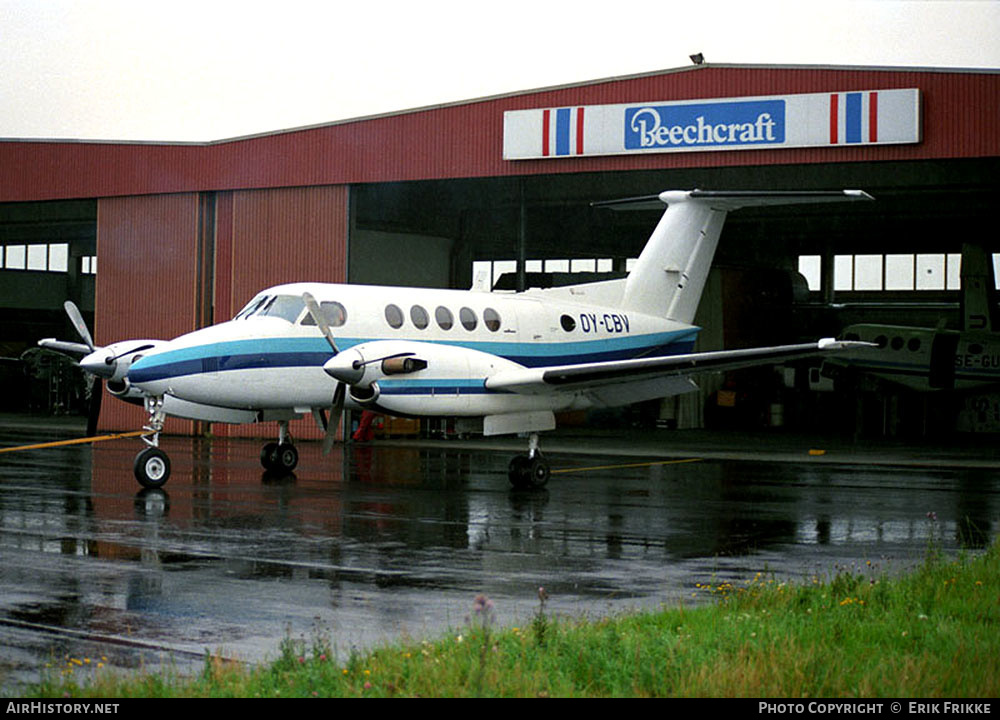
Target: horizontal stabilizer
734,199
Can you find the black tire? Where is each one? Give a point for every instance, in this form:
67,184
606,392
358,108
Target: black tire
152,468
539,471
528,473
286,457
269,456
517,472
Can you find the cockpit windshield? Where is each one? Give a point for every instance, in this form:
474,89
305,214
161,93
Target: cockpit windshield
286,307
251,307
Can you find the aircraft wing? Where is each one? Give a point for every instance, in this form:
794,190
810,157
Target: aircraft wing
595,375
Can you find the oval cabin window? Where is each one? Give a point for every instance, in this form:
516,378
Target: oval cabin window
394,316
491,319
444,318
419,317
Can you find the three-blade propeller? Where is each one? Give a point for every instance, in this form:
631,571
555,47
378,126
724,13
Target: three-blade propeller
348,368
99,362
339,393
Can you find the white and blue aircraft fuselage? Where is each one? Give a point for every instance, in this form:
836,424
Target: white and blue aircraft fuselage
513,360
272,356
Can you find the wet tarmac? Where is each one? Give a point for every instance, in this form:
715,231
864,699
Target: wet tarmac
395,539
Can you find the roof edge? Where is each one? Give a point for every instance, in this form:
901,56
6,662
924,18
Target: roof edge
517,93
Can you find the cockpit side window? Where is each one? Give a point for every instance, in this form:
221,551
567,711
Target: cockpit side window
334,312
286,307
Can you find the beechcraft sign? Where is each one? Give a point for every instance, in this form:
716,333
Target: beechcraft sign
870,117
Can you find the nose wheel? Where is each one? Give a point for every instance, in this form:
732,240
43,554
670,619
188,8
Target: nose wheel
152,466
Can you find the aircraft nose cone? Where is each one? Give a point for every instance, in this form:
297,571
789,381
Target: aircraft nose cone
347,367
97,363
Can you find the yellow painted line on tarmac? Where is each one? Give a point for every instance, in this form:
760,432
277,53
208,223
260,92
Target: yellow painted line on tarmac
627,465
75,441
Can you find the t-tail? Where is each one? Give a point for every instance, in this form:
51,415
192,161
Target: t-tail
670,274
979,307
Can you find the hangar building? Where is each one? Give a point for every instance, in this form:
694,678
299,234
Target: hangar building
157,239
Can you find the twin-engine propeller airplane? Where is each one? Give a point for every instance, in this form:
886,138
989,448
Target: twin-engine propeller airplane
511,360
932,359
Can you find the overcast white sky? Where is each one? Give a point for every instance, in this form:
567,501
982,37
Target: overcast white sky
212,69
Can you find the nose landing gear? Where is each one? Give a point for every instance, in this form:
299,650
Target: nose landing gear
152,466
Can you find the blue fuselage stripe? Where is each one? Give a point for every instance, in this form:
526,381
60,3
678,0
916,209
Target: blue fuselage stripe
273,353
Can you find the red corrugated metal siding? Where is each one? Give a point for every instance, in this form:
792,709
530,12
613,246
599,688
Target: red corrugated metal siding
287,235
278,236
223,296
961,119
146,280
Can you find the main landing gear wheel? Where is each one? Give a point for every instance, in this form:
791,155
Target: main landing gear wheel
152,468
279,456
527,472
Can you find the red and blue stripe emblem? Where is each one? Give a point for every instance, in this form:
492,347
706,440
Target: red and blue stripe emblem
562,132
853,118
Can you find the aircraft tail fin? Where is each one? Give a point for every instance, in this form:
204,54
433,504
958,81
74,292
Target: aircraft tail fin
672,269
979,307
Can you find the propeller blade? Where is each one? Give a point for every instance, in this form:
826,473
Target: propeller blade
94,409
64,347
81,327
317,315
336,411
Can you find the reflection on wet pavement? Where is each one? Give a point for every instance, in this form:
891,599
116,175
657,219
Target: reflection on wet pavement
374,543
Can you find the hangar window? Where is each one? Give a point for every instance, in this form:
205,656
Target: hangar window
467,317
334,313
491,319
487,274
394,316
47,258
14,256
444,317
811,268
38,257
897,272
418,316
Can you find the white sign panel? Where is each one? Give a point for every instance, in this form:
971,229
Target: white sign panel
869,117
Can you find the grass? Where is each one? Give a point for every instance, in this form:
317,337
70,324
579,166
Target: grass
934,632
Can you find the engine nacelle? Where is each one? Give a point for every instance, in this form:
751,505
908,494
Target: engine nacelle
365,395
123,389
113,361
420,378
